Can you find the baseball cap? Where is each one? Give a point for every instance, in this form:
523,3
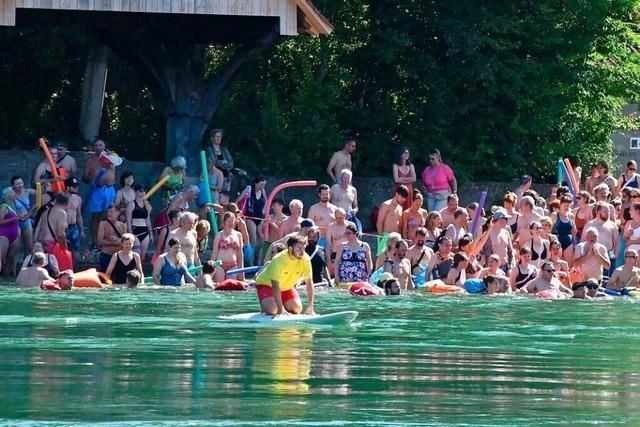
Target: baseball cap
72,182
500,213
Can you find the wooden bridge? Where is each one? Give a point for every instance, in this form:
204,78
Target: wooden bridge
294,16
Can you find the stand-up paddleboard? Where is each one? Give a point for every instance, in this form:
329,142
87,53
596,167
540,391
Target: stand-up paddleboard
339,318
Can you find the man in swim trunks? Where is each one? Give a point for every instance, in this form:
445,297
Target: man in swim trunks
500,239
341,160
101,176
345,195
390,213
323,213
187,237
546,281
52,226
31,277
292,223
75,227
590,257
448,212
627,274
276,284
607,234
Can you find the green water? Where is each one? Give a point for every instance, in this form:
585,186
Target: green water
163,358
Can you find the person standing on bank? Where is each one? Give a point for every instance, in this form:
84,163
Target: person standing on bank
341,160
221,157
439,182
404,173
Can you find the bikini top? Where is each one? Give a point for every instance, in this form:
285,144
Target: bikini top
228,244
535,255
139,212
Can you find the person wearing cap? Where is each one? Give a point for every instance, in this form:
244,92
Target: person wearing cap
276,283
500,240
64,159
546,281
100,174
75,227
627,274
292,223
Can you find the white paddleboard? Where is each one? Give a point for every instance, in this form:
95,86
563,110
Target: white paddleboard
339,318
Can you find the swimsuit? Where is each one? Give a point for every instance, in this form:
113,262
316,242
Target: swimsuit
170,275
514,226
100,196
535,255
635,235
353,265
139,212
255,206
563,231
524,278
442,268
580,223
120,270
10,230
23,207
228,244
173,185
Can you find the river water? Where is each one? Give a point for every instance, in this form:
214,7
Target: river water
164,358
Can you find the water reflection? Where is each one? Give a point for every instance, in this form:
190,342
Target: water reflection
282,360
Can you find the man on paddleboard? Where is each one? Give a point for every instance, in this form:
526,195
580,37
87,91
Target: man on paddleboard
276,284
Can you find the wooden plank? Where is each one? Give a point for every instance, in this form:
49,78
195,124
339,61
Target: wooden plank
116,5
175,7
46,4
28,4
165,7
208,7
55,4
83,4
19,4
200,7
64,4
133,5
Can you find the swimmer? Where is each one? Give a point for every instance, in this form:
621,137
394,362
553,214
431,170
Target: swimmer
546,281
626,275
32,277
205,280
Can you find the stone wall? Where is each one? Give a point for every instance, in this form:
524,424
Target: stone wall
372,191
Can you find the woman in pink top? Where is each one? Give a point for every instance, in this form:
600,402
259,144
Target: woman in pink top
439,182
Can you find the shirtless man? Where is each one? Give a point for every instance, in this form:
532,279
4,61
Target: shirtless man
187,237
500,239
527,216
419,255
390,213
102,178
607,234
590,257
52,226
546,281
110,232
341,160
400,266
31,277
345,195
75,228
275,219
323,213
447,213
335,234
601,194
458,228
64,160
525,184
627,274
292,223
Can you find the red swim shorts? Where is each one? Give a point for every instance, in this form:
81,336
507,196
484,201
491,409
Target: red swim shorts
267,292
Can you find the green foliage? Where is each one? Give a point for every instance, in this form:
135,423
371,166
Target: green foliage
501,88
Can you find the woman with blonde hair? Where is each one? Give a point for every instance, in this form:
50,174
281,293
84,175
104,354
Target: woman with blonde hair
124,261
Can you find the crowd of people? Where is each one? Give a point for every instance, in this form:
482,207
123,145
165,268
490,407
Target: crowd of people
571,244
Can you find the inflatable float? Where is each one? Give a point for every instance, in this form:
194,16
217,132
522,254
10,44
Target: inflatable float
90,278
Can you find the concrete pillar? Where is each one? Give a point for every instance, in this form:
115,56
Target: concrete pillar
93,87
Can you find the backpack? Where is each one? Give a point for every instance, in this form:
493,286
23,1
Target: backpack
41,210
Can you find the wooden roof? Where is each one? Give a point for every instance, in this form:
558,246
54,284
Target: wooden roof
295,16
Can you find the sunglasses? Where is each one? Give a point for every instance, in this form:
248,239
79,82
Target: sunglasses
631,169
549,271
631,256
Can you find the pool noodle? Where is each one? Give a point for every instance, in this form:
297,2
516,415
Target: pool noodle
272,195
38,195
576,184
156,187
569,183
47,154
476,217
196,269
253,269
205,178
